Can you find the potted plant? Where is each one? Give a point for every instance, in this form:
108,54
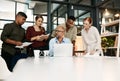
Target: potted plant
108,42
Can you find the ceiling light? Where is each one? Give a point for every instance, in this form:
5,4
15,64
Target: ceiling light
106,13
71,7
103,20
117,15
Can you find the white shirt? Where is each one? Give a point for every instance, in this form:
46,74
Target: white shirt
91,39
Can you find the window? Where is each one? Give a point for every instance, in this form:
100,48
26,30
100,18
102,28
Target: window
7,10
61,20
24,8
2,23
26,25
0,40
45,26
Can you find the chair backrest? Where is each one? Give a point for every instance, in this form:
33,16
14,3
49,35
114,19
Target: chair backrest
4,72
79,44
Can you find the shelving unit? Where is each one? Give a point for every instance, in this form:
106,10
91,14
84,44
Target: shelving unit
105,33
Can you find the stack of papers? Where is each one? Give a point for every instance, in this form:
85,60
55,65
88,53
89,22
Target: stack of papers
24,45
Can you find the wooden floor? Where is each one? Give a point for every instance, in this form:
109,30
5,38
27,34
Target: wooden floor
67,69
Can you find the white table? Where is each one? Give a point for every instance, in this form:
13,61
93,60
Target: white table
67,69
4,72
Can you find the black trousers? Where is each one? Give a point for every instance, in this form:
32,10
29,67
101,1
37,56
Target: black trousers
11,60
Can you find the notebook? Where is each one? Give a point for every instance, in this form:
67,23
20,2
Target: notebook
63,49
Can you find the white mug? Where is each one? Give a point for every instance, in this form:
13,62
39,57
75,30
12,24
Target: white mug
46,52
36,53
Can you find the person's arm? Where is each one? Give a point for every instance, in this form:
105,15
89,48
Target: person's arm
28,34
73,42
38,38
67,40
74,34
98,38
44,36
98,41
6,34
17,43
34,38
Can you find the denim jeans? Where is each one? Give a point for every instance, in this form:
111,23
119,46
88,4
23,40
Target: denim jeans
11,60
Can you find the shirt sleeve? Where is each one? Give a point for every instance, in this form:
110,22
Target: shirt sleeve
28,33
68,40
98,38
6,32
74,33
43,30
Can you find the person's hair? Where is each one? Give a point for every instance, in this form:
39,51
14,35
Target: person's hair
60,26
38,16
22,14
72,18
89,19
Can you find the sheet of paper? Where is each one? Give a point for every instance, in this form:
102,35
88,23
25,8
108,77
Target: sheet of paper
24,45
94,55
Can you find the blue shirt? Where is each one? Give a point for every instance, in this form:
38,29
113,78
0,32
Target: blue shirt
55,41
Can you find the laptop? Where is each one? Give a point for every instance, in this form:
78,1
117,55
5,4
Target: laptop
63,49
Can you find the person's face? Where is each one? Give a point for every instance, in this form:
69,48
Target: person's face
20,20
39,22
70,23
86,24
59,32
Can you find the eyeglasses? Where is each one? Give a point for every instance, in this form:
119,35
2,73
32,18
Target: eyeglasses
58,31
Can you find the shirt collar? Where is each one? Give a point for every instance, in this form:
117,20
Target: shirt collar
56,40
16,24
